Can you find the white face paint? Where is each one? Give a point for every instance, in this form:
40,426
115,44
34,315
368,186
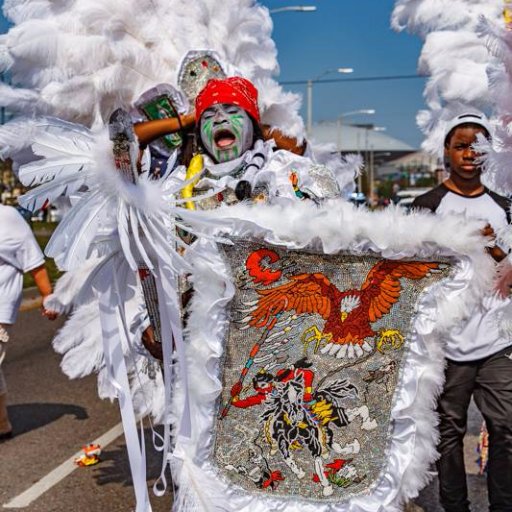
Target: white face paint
226,132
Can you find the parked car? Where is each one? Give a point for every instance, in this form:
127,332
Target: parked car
51,214
407,196
37,216
54,214
358,198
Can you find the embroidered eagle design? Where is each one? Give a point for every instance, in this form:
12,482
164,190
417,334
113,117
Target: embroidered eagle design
348,314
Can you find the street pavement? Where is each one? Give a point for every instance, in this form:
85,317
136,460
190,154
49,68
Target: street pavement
428,498
53,417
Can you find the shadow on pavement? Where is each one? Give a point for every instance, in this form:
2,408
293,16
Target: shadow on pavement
115,468
28,417
477,490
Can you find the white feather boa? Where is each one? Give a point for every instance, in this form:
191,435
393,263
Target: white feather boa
337,226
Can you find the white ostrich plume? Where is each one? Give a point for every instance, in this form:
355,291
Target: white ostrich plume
78,60
424,16
497,157
455,56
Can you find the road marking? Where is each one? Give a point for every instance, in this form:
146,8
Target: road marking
60,472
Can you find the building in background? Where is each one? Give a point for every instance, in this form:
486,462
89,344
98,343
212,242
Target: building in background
10,187
390,164
418,169
359,138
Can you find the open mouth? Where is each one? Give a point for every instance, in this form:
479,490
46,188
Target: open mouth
224,139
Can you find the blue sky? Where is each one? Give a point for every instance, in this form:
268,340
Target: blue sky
3,24
357,34
349,33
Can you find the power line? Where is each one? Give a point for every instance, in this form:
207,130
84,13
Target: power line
355,79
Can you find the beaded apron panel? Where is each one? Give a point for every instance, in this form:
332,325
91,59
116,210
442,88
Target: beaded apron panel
311,368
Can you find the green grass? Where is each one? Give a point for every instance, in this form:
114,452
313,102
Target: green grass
43,232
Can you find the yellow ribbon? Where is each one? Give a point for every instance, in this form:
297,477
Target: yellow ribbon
194,168
507,13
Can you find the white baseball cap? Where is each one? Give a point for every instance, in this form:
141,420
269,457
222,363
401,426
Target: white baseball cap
469,117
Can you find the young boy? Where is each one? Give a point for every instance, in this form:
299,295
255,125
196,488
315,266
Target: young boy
19,253
478,362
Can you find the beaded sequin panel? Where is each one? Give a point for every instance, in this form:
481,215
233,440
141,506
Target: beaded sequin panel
311,367
197,68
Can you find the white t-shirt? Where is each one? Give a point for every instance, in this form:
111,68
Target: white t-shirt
480,336
19,253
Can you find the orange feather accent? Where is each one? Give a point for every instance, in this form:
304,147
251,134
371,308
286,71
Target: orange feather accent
260,273
382,284
304,293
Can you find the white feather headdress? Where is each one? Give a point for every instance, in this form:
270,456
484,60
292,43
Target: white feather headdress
81,59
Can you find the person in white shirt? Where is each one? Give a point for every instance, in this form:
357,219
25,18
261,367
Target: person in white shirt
478,354
19,253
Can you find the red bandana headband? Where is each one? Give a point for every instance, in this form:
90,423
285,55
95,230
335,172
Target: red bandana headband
233,91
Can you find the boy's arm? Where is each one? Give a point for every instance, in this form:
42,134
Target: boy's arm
495,252
44,286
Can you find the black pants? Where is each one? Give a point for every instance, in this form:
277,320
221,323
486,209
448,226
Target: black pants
489,380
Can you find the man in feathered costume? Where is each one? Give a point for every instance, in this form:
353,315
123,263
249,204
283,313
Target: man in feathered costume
237,162
234,163
124,225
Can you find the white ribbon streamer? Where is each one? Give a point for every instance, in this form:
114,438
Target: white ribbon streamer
114,359
168,303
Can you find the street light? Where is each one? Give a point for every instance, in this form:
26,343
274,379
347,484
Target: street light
309,127
296,8
372,162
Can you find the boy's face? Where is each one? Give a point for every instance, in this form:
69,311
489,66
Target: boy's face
460,156
226,131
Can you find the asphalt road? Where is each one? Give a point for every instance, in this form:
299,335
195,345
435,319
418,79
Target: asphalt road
53,417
